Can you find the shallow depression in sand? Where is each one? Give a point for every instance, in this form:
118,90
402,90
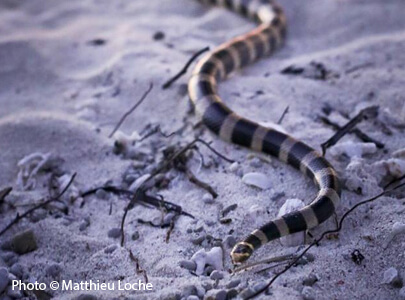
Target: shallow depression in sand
82,149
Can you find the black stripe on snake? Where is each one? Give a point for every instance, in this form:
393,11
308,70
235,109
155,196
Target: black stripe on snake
221,120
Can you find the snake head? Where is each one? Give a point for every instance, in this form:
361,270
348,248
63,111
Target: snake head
241,252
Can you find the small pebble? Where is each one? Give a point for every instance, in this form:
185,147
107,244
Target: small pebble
84,224
188,264
135,236
258,180
198,228
110,249
18,270
193,297
3,279
231,294
114,233
225,220
259,286
310,280
234,167
86,297
221,295
189,290
246,293
130,177
97,42
308,293
277,196
229,209
208,198
233,283
216,275
402,293
198,240
200,291
391,277
397,228
159,35
24,242
137,183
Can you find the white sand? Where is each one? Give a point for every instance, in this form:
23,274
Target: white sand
63,95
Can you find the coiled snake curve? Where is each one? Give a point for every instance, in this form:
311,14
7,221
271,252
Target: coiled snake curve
221,120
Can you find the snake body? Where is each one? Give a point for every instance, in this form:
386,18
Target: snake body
221,120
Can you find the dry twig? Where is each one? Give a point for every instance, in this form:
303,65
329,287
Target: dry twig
18,217
155,130
131,110
142,197
364,114
360,134
4,193
200,183
185,68
163,167
281,258
285,112
139,270
171,228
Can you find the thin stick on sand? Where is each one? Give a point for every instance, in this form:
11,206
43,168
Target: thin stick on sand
364,114
131,110
18,217
185,68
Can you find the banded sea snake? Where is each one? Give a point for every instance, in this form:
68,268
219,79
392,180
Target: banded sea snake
221,120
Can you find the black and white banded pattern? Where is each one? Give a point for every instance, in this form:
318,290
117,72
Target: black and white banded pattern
221,120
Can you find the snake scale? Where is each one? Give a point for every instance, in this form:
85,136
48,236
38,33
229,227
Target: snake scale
221,120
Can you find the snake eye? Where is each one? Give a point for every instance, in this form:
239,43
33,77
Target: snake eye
241,252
